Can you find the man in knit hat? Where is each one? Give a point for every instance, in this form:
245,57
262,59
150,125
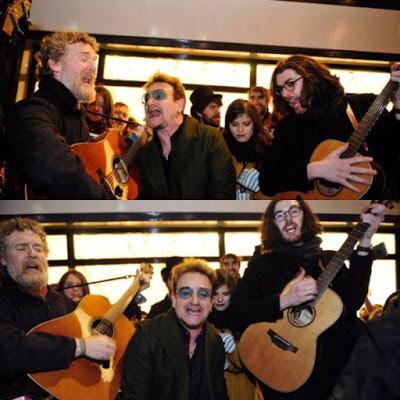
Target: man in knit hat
206,106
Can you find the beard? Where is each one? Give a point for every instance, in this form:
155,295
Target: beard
30,281
83,92
215,122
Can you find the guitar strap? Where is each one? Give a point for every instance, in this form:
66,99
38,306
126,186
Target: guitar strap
354,121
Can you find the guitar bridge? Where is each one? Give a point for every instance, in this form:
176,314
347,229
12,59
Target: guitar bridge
281,342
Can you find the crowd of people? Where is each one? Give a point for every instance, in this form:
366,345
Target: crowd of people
187,346
266,147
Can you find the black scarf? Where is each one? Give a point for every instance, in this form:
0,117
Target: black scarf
306,251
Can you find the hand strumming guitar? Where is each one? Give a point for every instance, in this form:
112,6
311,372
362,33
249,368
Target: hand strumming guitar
99,347
299,290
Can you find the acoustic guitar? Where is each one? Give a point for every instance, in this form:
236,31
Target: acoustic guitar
282,354
108,161
325,190
86,378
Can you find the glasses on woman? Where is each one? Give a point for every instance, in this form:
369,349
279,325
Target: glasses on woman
289,86
186,293
293,211
157,95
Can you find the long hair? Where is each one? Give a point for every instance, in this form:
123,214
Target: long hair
318,83
270,235
239,107
61,283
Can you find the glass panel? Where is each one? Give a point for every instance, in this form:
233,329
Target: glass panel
55,274
214,73
264,73
383,281
145,245
57,247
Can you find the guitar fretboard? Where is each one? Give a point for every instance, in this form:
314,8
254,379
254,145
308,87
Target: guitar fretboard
368,121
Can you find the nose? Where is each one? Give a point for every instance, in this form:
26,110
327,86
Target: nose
195,298
219,298
32,252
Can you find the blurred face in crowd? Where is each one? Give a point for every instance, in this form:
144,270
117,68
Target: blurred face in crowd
122,112
77,71
242,128
211,115
74,293
259,101
96,106
192,300
25,259
289,84
289,220
222,298
231,266
162,111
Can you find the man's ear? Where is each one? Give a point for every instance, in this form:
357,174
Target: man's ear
173,299
55,66
200,115
181,105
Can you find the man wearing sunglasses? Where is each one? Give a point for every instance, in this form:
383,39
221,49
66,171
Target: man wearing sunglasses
285,276
186,160
178,355
313,107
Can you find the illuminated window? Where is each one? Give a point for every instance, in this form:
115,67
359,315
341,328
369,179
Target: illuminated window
214,73
131,245
57,247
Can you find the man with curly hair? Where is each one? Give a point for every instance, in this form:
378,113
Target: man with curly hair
41,129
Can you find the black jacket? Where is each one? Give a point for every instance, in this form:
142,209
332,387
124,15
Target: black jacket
39,133
21,353
155,364
372,372
296,137
257,299
160,308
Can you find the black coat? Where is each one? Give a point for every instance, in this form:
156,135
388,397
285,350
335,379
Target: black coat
257,299
372,372
21,353
39,133
295,138
200,167
155,364
160,308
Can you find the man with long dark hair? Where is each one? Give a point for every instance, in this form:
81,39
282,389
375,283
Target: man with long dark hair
285,276
312,108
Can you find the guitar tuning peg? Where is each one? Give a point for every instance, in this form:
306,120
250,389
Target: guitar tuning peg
25,12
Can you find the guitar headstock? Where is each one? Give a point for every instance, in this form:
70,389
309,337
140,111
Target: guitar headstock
389,204
146,268
16,19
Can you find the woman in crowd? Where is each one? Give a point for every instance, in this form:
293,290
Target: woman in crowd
67,286
103,104
247,141
239,385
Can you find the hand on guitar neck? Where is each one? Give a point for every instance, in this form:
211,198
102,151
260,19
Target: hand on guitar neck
373,215
96,347
341,170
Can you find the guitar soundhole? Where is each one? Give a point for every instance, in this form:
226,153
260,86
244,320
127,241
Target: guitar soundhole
102,327
326,188
120,170
301,315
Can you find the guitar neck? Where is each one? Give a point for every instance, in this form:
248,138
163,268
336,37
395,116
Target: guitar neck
368,121
119,307
339,258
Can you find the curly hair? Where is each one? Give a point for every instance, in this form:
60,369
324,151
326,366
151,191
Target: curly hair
318,82
54,47
178,88
270,234
9,226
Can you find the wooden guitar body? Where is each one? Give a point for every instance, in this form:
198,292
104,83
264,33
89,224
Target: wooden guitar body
324,190
282,354
86,379
105,158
